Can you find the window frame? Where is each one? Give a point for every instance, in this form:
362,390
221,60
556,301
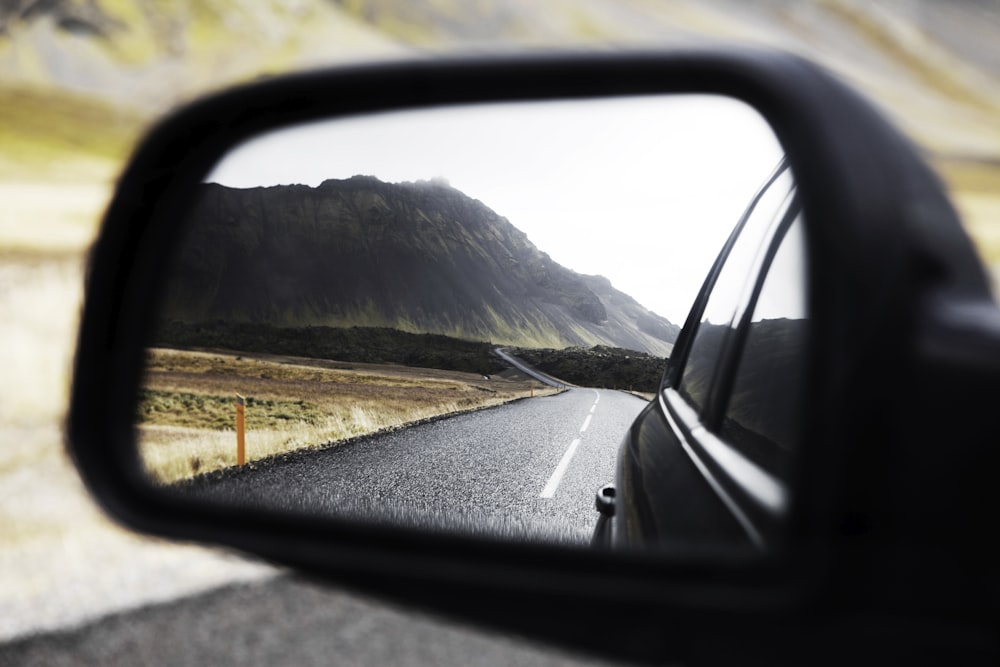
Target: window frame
757,499
724,376
682,347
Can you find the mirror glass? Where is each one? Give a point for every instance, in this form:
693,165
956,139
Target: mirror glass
447,317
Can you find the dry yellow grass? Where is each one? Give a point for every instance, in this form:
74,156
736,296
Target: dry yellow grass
974,187
186,419
62,560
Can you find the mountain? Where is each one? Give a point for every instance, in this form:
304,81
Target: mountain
418,257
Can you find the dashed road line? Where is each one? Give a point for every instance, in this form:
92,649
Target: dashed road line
557,474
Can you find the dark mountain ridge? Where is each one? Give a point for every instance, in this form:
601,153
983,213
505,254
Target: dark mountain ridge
418,257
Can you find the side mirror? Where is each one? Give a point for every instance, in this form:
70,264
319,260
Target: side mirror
291,267
420,308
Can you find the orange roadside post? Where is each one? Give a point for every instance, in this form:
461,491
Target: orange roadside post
241,454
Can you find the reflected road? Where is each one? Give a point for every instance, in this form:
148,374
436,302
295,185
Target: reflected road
527,469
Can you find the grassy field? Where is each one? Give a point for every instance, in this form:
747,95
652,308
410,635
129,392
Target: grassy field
355,344
186,413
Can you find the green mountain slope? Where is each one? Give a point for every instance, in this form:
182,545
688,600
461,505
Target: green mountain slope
418,257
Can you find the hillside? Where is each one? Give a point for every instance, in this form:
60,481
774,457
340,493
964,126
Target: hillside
599,366
930,65
418,257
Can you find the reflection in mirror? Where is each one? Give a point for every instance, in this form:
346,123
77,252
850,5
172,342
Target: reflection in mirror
443,318
761,415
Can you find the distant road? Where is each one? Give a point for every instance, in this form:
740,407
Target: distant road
525,469
528,370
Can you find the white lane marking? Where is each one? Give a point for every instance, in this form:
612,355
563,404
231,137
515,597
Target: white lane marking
557,474
553,484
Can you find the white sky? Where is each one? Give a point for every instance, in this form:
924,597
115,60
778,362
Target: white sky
642,190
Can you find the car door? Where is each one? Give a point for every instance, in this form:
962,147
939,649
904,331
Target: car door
707,463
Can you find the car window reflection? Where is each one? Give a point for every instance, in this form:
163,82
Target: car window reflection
729,291
760,419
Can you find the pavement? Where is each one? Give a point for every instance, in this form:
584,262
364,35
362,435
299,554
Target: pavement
281,621
526,470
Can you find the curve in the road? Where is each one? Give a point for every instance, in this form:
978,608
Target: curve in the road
529,370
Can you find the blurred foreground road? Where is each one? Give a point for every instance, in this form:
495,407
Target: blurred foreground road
281,621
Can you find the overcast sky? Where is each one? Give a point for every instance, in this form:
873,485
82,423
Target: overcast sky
642,191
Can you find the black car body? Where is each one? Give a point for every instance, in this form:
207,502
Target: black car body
709,460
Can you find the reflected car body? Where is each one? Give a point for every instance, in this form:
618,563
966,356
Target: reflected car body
707,463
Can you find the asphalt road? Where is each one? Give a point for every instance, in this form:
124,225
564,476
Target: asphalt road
277,622
525,470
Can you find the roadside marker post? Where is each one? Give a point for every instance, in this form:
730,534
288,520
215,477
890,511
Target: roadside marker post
241,453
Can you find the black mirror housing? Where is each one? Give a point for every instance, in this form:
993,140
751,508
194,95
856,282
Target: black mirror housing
900,309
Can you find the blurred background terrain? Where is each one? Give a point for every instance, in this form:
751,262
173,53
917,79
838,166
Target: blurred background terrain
81,80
